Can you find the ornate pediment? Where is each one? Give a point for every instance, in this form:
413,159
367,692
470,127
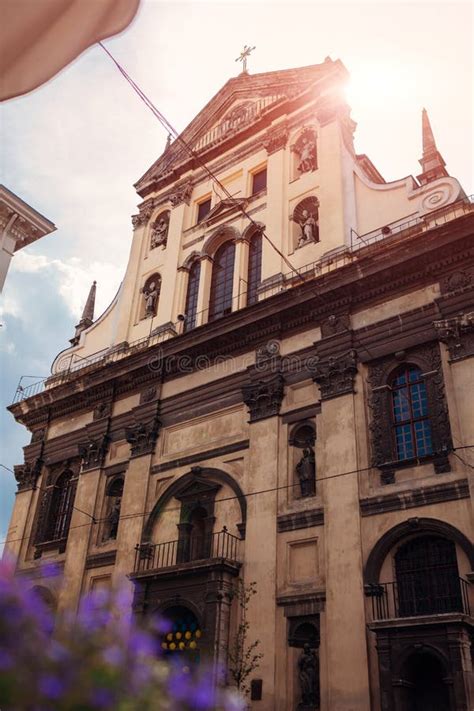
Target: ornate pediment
198,488
225,207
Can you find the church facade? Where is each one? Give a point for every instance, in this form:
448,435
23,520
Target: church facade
278,398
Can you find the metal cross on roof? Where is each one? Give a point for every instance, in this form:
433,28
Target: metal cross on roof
245,53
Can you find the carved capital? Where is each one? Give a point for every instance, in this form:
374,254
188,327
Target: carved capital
458,334
145,212
27,474
275,139
336,375
143,436
181,193
93,452
264,397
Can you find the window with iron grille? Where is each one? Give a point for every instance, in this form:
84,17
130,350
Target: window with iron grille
192,296
59,511
410,416
427,577
220,302
255,269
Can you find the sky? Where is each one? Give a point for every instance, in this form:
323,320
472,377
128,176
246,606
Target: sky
74,147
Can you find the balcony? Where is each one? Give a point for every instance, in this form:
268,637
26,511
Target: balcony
416,596
220,547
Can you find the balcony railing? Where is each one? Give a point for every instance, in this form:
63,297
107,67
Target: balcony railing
220,545
74,365
417,595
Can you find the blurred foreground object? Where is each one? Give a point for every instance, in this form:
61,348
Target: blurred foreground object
38,39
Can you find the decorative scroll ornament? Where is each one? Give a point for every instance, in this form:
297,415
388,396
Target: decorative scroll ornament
336,376
458,334
264,397
27,474
275,139
143,436
305,148
267,351
181,193
159,233
93,452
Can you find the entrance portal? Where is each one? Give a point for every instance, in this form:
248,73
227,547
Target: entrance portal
423,687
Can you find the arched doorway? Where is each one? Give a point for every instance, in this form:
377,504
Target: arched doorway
427,577
423,686
185,634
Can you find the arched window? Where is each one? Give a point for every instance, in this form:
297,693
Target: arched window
410,417
220,302
192,296
427,577
255,269
60,509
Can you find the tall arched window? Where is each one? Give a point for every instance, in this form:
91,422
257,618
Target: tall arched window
410,417
255,269
192,296
427,577
220,302
60,509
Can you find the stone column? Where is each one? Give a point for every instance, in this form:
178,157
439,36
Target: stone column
182,279
263,398
204,290
277,210
81,529
18,522
142,438
240,284
346,644
169,286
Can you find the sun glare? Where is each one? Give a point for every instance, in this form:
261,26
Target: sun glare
371,84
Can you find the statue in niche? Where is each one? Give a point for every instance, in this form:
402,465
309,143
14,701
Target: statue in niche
308,676
306,472
150,294
309,228
306,150
159,235
113,519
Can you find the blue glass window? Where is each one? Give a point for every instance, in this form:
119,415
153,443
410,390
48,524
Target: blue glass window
411,423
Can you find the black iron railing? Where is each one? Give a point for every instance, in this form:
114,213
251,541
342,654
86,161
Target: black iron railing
153,556
416,595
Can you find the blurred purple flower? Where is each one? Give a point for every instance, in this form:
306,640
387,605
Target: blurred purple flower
51,686
114,655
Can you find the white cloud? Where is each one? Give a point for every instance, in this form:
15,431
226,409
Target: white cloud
73,278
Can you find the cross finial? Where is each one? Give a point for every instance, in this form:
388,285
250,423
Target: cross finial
244,55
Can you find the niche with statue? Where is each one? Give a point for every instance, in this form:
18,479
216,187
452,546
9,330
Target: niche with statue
302,459
305,219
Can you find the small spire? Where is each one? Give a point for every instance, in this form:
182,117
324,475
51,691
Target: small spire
87,318
432,161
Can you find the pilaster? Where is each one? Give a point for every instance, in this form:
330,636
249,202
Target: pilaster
204,290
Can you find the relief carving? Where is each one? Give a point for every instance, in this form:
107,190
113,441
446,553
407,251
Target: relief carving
264,397
103,409
336,376
305,149
159,233
458,334
143,436
27,474
275,139
93,452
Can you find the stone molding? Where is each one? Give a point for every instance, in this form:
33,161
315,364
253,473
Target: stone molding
93,452
264,397
336,376
27,474
201,456
458,335
424,496
143,436
100,560
302,604
276,138
300,519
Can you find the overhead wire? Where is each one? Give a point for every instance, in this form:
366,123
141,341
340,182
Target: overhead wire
235,497
178,137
